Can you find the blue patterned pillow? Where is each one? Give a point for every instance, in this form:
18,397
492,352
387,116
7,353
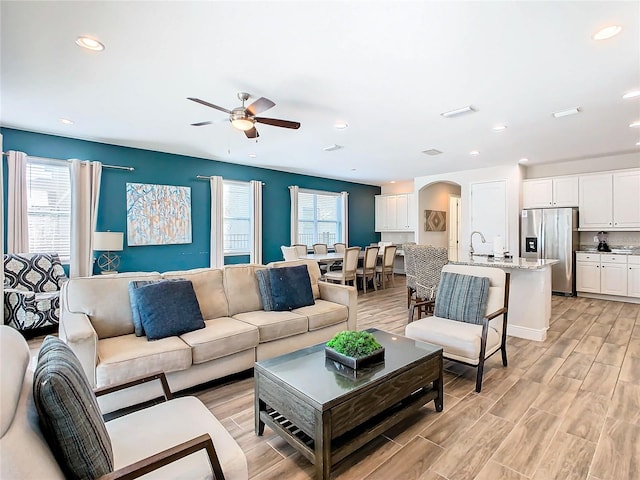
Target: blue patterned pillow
462,297
290,287
168,309
69,414
264,285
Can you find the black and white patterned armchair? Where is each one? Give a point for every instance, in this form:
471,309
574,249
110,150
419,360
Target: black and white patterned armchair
32,283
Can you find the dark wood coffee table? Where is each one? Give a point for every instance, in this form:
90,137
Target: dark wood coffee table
327,411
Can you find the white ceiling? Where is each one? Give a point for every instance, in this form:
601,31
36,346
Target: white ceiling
387,68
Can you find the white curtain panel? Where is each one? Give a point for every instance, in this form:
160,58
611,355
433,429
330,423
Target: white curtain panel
217,222
256,222
85,194
293,190
345,217
17,219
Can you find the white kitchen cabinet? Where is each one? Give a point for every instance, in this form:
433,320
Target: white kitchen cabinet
596,201
626,199
550,192
633,276
588,272
613,279
395,213
604,273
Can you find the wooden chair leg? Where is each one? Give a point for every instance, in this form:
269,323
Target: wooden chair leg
373,280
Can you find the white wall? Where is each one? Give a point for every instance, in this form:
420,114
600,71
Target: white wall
589,165
398,187
513,176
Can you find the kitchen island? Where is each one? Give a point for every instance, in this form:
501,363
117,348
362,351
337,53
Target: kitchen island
529,293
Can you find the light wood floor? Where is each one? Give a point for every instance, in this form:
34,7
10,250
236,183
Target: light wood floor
567,408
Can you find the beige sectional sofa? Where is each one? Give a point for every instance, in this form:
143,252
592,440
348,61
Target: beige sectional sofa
96,322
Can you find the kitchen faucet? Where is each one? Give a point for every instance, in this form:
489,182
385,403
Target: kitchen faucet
471,241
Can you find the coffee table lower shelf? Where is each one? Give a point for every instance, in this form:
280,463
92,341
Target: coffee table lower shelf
346,444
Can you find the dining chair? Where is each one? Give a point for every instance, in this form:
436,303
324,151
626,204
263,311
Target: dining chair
320,248
368,269
385,270
301,249
289,253
470,316
339,247
348,271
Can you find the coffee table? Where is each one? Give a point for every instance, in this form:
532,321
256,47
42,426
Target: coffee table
327,411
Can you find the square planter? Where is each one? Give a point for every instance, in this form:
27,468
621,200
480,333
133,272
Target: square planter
353,362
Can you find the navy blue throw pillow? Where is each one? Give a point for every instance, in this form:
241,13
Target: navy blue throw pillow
135,310
290,288
168,309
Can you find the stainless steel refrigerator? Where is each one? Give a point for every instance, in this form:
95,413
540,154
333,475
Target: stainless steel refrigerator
552,233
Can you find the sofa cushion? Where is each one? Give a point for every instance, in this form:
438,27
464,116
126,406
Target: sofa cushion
290,287
323,314
69,413
462,297
241,288
264,285
168,308
103,299
221,336
274,325
209,287
127,356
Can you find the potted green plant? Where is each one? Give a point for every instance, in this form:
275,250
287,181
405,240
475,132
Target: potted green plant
354,349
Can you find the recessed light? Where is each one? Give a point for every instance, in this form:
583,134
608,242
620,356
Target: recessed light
635,124
638,143
252,155
340,125
567,112
66,121
459,111
523,160
89,43
499,128
332,148
631,94
474,152
392,181
607,32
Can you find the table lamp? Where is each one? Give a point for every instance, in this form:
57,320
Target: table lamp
108,242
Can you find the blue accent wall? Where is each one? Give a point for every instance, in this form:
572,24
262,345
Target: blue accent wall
169,169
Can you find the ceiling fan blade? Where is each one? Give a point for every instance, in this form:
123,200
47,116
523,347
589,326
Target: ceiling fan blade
253,133
278,123
260,105
207,104
200,124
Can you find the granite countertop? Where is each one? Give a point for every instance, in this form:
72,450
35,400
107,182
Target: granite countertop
614,250
516,262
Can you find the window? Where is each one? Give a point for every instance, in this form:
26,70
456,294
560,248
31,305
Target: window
237,217
49,207
319,217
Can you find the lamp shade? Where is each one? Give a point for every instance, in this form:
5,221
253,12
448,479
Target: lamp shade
107,241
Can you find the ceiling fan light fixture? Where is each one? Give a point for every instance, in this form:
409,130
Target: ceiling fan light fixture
242,123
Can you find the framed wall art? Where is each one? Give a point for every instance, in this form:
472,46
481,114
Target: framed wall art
435,221
158,214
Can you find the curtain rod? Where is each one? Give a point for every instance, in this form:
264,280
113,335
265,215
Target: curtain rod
206,177
117,167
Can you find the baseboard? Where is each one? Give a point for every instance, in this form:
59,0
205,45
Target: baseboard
612,298
527,333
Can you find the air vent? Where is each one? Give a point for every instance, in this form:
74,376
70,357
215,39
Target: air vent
332,148
432,152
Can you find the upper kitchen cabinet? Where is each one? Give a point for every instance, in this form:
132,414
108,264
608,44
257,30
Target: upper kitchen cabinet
610,201
550,192
395,213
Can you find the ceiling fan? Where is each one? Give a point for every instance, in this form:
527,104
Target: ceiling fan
244,118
